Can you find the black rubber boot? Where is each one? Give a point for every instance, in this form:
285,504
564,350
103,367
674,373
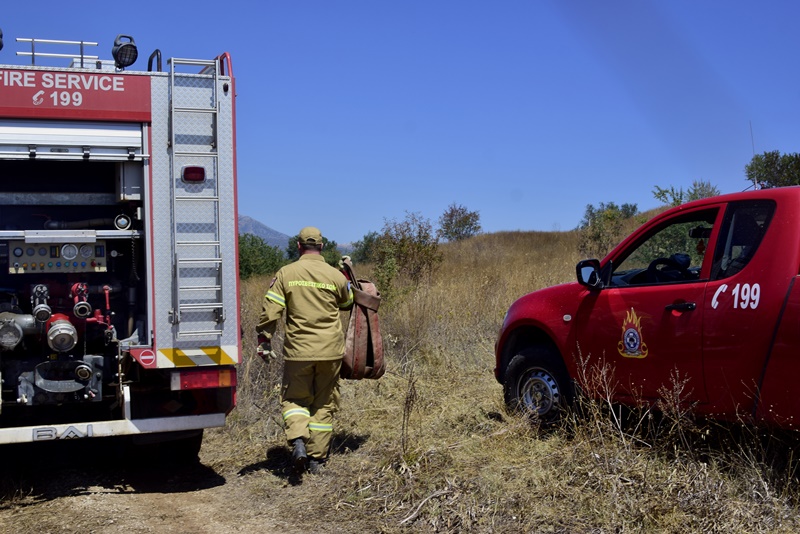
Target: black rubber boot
299,457
315,466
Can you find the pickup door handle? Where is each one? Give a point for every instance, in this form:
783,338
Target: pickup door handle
683,306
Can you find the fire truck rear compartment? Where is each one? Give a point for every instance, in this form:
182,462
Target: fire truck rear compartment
71,282
119,307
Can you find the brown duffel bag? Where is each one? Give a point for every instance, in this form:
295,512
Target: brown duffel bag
363,352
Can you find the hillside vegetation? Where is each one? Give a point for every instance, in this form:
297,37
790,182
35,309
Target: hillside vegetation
430,446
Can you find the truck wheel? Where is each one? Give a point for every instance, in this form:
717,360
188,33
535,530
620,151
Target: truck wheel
186,450
174,448
536,383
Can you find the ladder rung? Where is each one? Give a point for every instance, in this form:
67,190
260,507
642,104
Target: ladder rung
198,62
200,288
194,110
196,154
203,199
199,260
197,333
197,243
205,306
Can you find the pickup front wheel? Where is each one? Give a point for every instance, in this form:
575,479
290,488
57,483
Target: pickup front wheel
536,383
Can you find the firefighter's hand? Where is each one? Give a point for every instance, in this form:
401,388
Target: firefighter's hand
264,349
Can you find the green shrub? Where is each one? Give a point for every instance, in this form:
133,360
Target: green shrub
258,258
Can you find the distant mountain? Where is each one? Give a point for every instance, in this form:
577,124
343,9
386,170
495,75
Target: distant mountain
273,238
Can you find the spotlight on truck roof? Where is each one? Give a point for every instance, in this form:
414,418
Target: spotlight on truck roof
124,52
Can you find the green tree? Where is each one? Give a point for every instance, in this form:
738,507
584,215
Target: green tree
601,227
677,237
773,169
256,257
407,248
676,197
364,250
458,223
330,250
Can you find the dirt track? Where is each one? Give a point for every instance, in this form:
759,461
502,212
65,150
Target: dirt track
77,490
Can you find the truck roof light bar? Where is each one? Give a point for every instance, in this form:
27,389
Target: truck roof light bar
124,53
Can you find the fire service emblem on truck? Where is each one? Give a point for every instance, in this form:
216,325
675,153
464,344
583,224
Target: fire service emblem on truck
632,345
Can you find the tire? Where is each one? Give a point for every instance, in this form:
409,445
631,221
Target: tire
537,384
175,448
186,450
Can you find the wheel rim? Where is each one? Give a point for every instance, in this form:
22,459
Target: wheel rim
539,392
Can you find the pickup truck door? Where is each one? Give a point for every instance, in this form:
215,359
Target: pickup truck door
745,294
647,323
646,335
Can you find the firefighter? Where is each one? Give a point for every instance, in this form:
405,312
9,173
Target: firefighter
310,293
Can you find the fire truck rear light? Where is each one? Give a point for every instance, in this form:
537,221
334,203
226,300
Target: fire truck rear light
203,379
193,174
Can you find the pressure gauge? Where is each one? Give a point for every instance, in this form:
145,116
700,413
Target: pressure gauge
87,251
18,252
69,252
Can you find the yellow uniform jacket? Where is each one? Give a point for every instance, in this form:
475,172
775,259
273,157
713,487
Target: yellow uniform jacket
312,293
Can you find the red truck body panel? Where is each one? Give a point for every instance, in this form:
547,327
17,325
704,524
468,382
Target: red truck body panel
30,94
119,311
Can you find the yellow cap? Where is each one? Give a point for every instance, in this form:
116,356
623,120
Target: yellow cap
310,236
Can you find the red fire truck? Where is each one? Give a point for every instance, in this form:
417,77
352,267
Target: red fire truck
703,298
119,307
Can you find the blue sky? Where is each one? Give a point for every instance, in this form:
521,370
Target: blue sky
351,113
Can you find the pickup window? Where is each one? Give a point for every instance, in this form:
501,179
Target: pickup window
743,228
673,252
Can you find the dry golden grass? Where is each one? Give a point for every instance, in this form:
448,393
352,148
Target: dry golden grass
430,446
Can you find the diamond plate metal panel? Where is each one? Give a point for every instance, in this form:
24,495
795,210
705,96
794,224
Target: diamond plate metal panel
197,277
203,320
196,252
200,295
194,91
197,221
197,215
194,132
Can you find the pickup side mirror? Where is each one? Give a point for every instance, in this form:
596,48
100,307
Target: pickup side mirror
588,272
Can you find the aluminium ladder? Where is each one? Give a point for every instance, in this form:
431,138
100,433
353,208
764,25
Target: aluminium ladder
197,286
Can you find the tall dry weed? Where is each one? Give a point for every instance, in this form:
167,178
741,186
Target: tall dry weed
430,446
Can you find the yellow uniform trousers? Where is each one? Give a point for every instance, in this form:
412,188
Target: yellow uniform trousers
309,398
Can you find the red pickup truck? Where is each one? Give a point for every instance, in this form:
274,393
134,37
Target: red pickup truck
707,291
